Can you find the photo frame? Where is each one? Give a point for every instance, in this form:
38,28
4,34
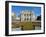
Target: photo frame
24,18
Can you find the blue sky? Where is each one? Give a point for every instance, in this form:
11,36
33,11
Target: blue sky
17,9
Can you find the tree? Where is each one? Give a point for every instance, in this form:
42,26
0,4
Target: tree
39,17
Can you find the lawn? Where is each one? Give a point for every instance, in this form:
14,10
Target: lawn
25,25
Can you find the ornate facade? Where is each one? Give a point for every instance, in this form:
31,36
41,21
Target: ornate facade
27,16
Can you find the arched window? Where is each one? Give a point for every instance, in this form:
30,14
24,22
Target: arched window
24,14
25,19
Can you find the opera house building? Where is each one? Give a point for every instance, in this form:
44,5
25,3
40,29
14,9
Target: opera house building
26,21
